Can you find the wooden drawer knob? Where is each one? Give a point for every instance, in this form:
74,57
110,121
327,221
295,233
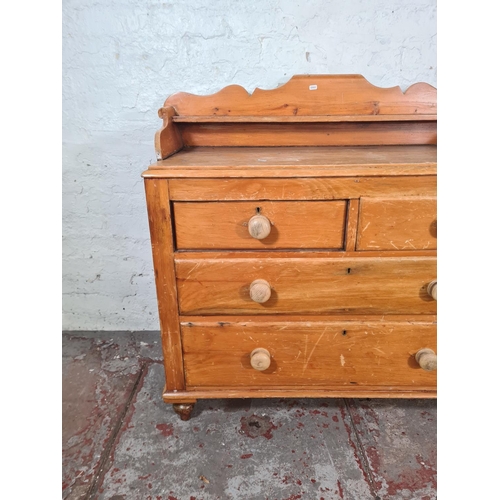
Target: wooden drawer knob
427,359
259,227
432,289
260,291
260,359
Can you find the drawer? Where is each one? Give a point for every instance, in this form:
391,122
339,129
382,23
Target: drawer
397,224
275,224
319,353
305,284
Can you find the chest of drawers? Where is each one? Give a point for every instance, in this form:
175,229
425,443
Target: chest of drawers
294,241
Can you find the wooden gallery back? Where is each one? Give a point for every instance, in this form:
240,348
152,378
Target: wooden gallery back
294,241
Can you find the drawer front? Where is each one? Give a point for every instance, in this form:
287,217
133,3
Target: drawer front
319,353
305,188
397,224
293,224
306,285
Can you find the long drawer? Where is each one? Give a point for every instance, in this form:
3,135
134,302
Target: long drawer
303,353
291,224
304,284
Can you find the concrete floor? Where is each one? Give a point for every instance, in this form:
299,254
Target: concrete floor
120,441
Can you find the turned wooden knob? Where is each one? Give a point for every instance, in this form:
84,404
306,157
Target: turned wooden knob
260,291
259,227
427,359
432,289
260,359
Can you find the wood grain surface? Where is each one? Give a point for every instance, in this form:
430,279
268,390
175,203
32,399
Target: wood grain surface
268,162
397,223
306,188
168,139
352,225
160,225
299,118
345,175
224,225
307,391
308,134
305,95
306,283
328,353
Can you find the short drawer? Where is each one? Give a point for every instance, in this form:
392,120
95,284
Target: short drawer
397,224
291,224
305,284
304,353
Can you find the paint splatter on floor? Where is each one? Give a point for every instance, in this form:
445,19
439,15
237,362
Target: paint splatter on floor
121,442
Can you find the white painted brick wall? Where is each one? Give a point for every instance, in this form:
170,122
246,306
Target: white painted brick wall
122,58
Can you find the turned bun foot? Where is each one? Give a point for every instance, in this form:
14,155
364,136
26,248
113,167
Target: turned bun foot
184,410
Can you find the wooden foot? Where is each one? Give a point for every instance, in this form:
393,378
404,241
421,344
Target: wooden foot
183,410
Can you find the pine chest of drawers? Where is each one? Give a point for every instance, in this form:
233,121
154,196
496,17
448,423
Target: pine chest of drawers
294,241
